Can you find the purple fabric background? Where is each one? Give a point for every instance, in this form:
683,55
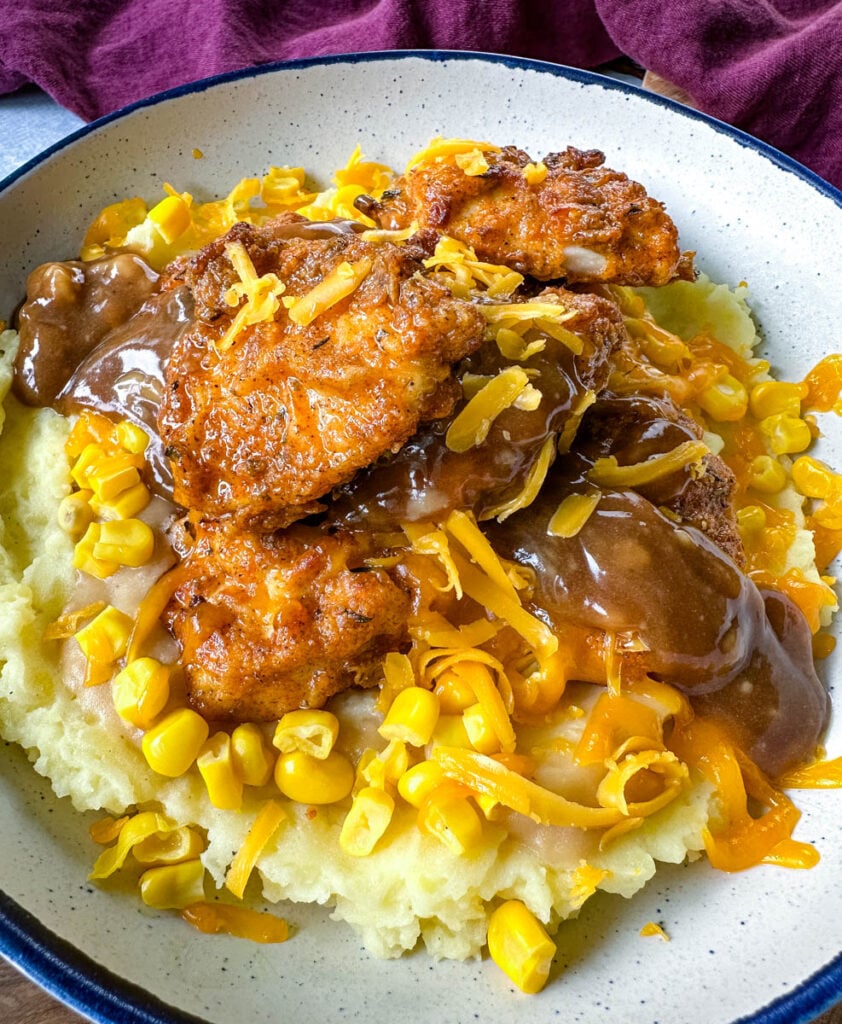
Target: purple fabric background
771,67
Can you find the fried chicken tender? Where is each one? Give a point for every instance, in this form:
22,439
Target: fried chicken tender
263,429
582,223
272,622
632,428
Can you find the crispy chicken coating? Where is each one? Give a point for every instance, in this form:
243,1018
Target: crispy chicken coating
271,622
263,429
426,479
583,222
633,428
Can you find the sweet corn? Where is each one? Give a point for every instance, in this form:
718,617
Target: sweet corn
418,782
726,400
141,690
171,746
126,505
183,843
311,780
450,732
131,437
75,513
216,766
171,217
314,732
89,457
451,818
751,520
90,428
125,541
814,479
173,886
387,766
252,758
520,946
480,731
454,693
111,475
103,641
83,555
787,434
771,397
369,817
767,475
412,717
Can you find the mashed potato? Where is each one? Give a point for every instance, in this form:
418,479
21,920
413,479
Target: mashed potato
411,886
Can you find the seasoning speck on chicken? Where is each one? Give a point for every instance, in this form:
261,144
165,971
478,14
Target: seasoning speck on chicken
575,220
272,622
261,424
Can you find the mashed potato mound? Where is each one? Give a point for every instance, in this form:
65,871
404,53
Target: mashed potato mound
411,887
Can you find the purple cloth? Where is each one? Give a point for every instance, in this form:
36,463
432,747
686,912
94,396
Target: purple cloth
771,67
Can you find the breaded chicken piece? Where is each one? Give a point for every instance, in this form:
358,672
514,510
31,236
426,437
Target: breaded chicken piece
263,429
581,223
272,622
633,428
426,479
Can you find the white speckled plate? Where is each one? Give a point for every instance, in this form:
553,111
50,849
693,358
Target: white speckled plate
762,946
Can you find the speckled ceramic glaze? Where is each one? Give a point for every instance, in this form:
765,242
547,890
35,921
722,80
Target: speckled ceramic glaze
762,946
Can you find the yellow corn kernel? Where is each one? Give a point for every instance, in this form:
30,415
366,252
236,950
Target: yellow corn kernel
454,693
87,459
110,475
726,400
75,513
418,782
366,821
125,506
183,843
751,520
171,746
216,766
83,555
535,173
479,730
771,397
141,691
125,541
451,818
450,732
106,636
314,732
311,780
171,217
813,478
90,428
384,767
787,434
252,758
131,437
412,717
767,475
520,946
173,886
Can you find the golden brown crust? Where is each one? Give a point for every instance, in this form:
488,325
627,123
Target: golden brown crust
269,623
264,429
583,223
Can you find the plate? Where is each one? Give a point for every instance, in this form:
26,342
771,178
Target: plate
762,946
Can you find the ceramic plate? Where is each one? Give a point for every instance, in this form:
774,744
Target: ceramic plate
760,946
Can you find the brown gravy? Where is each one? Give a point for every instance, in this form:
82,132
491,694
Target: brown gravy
98,335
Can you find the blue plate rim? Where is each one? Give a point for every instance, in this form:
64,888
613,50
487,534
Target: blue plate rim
56,964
